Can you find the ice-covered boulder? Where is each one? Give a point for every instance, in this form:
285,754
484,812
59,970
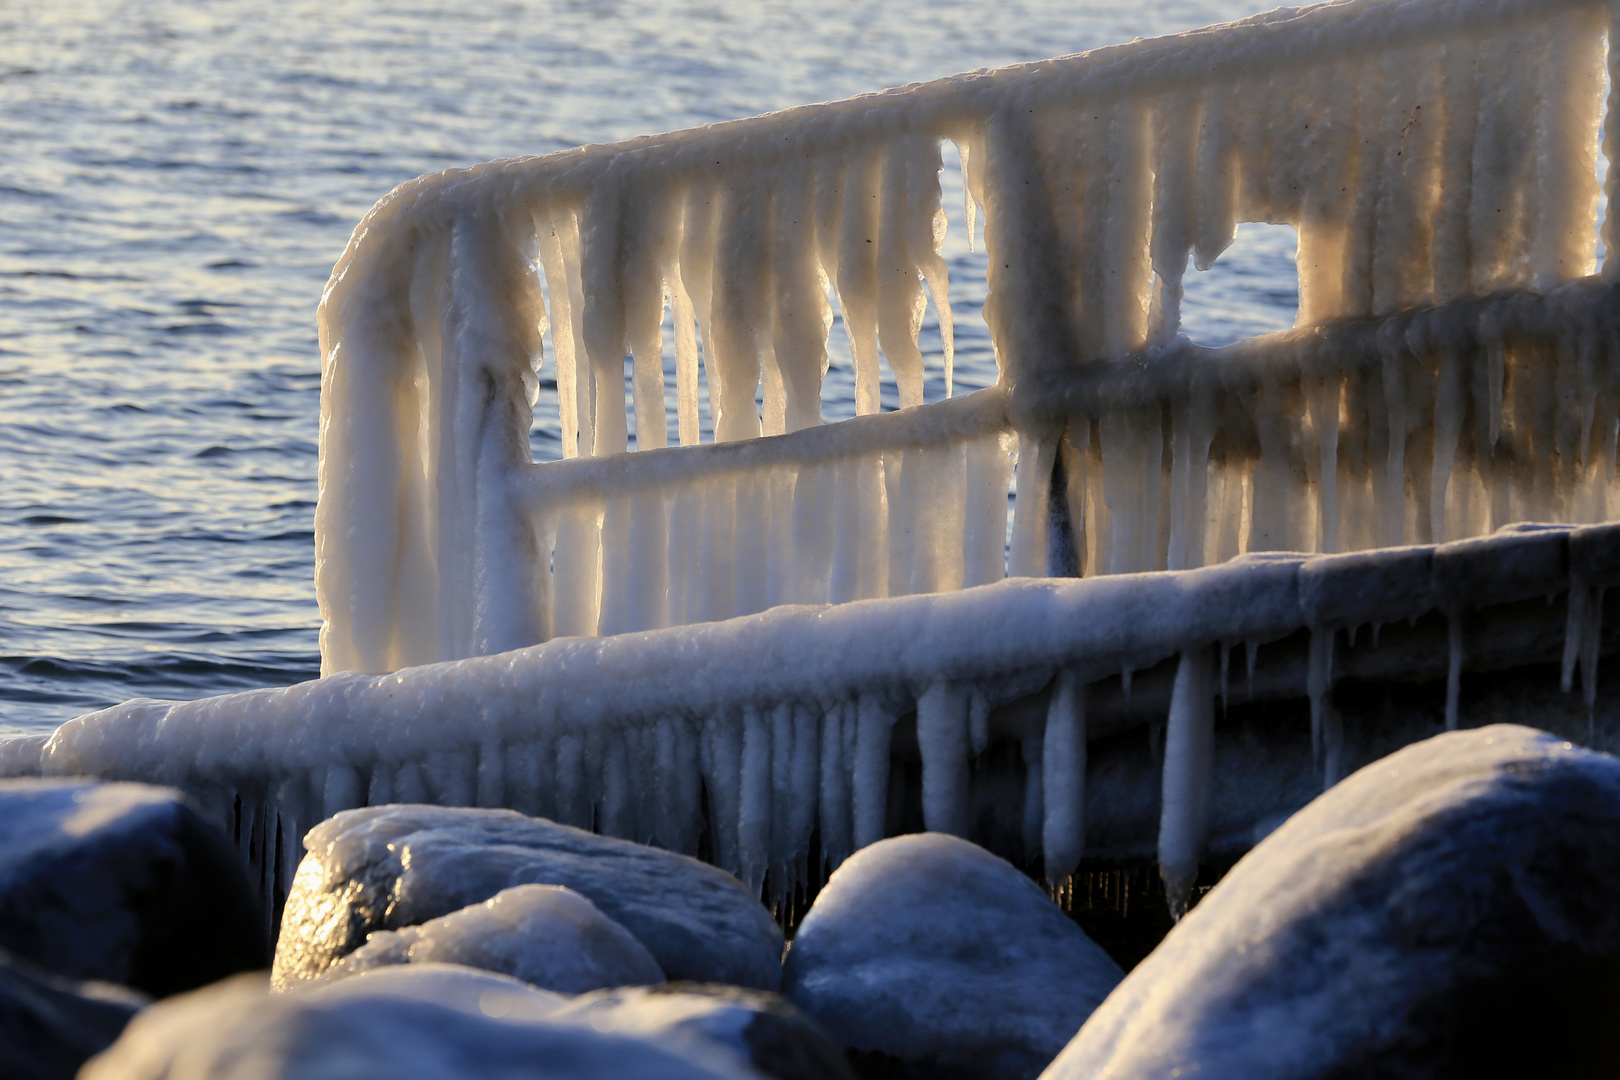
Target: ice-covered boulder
123,883
20,756
426,1022
763,1030
49,1025
932,951
546,935
388,867
1450,910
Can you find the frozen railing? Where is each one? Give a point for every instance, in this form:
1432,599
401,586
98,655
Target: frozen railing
774,733
1432,154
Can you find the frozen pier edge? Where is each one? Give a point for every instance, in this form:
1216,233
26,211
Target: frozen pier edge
766,729
758,645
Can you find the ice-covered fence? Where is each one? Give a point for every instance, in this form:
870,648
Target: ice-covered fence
914,502
1427,151
773,727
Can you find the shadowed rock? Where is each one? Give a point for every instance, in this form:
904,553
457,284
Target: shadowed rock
388,867
931,954
765,1031
123,883
423,1021
49,1025
1450,910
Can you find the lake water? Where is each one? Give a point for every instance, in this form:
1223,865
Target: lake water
179,177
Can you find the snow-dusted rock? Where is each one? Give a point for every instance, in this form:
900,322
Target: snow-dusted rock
425,1022
387,867
123,883
49,1025
546,935
763,1030
1450,910
931,950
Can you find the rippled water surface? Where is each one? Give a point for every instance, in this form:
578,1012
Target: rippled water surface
180,176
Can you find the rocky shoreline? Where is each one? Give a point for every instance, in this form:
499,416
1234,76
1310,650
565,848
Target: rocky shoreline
1443,911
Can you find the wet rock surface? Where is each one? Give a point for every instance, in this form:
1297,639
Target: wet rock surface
389,867
1450,910
546,935
765,1031
49,1025
124,883
926,955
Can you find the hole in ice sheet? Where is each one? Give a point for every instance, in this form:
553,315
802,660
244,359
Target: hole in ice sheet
1252,289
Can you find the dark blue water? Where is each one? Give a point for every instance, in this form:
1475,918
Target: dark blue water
178,178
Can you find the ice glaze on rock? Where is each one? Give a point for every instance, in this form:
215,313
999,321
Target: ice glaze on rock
932,951
1450,910
546,935
389,867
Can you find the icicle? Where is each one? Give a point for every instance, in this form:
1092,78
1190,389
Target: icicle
835,788
1319,687
686,365
870,773
1226,669
801,312
754,804
857,277
1027,557
984,544
979,723
722,772
340,790
614,813
1611,151
490,785
1319,682
1063,779
1189,778
900,299
573,802
1454,643
943,740
523,781
1030,748
970,205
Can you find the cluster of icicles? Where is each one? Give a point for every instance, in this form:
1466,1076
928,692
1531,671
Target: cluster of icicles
771,728
1427,151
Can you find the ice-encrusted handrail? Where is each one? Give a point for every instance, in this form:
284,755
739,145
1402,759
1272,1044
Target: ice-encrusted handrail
1098,175
781,722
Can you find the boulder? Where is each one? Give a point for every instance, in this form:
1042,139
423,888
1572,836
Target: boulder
546,935
764,1031
1450,910
49,1025
20,755
388,867
423,1021
123,883
932,957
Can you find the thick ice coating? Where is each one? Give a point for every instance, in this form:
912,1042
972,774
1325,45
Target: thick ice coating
547,935
773,728
1437,157
929,949
1444,911
394,867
